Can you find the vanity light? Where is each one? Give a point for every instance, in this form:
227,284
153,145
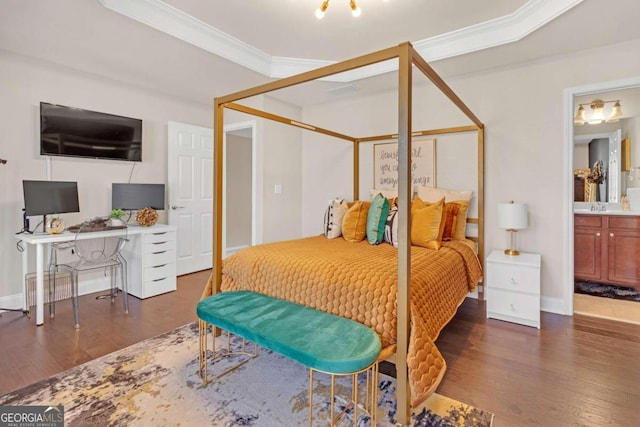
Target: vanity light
597,113
616,113
581,116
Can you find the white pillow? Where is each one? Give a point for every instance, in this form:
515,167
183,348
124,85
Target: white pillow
428,194
389,194
333,218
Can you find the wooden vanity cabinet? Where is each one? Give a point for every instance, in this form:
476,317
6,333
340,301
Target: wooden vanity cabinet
587,247
624,250
607,249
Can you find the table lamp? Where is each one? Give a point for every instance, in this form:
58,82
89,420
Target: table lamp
512,217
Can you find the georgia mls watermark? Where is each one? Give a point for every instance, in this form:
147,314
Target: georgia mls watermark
32,416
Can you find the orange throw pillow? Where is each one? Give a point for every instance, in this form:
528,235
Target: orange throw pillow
354,222
449,218
427,225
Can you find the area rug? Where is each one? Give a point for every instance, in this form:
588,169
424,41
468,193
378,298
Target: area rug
607,291
155,382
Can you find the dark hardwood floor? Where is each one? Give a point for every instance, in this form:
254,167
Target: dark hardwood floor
575,371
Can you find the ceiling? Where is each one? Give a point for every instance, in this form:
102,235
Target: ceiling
87,37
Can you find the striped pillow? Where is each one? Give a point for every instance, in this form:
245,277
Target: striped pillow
391,226
333,218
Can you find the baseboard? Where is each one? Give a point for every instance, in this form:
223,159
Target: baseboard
13,302
553,305
87,286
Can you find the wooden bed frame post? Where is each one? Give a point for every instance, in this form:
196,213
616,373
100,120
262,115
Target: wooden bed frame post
481,206
404,230
218,164
356,170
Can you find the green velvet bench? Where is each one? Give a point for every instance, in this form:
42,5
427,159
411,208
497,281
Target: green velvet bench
321,341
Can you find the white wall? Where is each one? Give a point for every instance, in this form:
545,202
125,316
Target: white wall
282,151
522,108
24,84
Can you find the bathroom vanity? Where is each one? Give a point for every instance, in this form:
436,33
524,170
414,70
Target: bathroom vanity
607,247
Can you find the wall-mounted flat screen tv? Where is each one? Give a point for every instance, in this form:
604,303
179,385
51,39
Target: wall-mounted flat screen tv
74,132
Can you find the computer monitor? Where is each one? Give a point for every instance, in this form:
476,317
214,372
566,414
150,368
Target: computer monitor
132,197
50,197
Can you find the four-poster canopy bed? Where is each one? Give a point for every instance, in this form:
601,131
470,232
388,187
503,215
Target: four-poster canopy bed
421,367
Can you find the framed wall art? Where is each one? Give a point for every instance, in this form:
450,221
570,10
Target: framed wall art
423,164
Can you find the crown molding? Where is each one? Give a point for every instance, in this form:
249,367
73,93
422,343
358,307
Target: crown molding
503,30
499,31
166,18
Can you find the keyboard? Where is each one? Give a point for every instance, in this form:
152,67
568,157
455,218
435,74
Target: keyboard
89,229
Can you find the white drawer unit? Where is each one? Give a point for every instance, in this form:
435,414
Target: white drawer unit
513,288
151,257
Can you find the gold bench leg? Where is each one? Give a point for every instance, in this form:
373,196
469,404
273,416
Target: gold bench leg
310,397
202,352
369,404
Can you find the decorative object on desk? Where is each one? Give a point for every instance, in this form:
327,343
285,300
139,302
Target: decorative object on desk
95,224
147,217
116,217
54,226
512,217
156,382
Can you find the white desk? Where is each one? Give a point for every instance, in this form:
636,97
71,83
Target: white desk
39,239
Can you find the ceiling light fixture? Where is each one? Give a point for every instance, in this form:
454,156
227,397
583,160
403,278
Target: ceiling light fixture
355,9
597,113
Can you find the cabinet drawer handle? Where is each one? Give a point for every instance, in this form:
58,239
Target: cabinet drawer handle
158,243
514,281
597,234
158,266
610,234
159,234
159,280
160,252
513,308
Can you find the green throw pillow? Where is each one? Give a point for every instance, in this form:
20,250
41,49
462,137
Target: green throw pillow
377,219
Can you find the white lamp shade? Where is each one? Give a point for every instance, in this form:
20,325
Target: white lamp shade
513,216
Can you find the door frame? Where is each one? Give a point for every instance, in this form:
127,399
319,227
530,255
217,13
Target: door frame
256,182
569,106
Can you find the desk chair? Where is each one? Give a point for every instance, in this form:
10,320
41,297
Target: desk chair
57,278
99,253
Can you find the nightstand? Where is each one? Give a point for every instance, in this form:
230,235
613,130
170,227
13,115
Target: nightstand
513,288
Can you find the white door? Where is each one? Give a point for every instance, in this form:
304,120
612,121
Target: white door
190,177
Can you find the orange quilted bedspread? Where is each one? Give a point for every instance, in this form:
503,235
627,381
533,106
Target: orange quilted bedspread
359,281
